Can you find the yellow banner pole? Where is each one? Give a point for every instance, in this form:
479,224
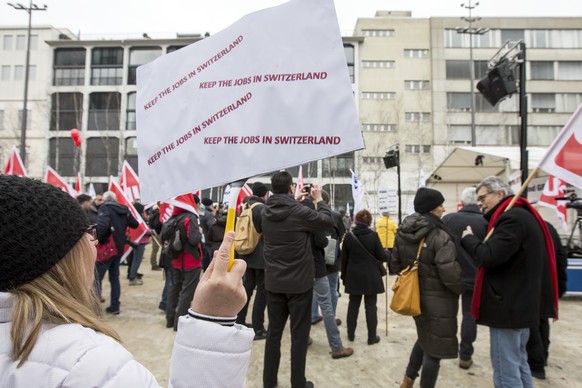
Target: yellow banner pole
231,214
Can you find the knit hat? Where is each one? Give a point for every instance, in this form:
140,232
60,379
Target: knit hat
259,189
207,202
40,225
427,199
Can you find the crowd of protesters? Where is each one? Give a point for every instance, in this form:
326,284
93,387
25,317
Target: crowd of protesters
506,281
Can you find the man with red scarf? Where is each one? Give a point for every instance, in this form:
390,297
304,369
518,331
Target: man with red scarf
509,296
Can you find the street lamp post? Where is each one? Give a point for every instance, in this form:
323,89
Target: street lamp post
471,31
31,7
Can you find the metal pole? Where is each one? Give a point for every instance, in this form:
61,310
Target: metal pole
31,7
399,188
472,72
523,115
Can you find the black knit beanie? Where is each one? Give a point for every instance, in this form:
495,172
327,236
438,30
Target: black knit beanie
259,189
39,224
427,199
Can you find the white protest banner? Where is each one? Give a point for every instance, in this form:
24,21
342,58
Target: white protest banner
269,92
387,200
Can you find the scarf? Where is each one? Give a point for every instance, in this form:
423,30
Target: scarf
476,302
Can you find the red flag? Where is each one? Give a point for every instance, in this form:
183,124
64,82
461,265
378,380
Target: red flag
129,182
135,235
15,165
554,188
78,184
184,201
564,157
244,192
53,178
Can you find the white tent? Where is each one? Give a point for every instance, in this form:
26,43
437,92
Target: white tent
469,165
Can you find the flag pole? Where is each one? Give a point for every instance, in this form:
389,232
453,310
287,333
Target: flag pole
231,214
516,196
386,302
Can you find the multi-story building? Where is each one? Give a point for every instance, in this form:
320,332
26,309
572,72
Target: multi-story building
411,77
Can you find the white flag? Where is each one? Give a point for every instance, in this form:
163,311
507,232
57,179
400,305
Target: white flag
358,193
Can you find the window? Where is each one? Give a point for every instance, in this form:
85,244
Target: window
102,156
349,52
378,32
131,153
461,102
417,116
379,127
20,42
570,71
28,118
69,67
568,102
459,134
497,135
7,42
5,73
542,70
373,160
18,72
512,35
542,135
378,64
171,49
460,69
565,39
104,111
416,85
410,53
32,72
1,119
453,39
341,195
34,42
378,95
417,149
539,39
66,111
107,66
138,56
338,166
543,102
130,118
66,155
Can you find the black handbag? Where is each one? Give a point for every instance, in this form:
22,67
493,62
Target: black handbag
380,265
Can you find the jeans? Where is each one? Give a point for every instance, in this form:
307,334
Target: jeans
509,358
371,315
333,279
136,262
167,286
280,307
321,293
111,265
468,327
184,284
430,367
254,277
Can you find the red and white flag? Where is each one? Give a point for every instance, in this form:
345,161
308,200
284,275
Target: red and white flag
554,188
129,182
78,185
244,192
299,184
135,235
53,178
564,157
15,165
184,201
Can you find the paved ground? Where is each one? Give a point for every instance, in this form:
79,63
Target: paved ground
142,327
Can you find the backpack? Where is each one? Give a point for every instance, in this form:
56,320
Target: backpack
246,237
174,239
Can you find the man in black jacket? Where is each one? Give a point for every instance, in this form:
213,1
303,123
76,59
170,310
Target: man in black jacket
289,274
510,298
457,222
113,218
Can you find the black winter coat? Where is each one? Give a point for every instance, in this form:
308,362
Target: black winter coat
286,226
457,222
216,233
337,232
513,259
440,279
360,274
114,215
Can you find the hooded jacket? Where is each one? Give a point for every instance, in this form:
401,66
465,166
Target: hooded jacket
288,251
114,215
440,279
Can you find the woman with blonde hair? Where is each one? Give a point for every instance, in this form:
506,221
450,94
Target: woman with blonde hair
50,331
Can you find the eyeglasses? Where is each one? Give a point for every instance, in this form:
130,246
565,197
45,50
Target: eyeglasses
92,231
481,198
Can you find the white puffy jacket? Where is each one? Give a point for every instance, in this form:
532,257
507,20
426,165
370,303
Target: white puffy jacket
205,355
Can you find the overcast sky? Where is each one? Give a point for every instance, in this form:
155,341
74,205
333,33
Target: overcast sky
189,16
